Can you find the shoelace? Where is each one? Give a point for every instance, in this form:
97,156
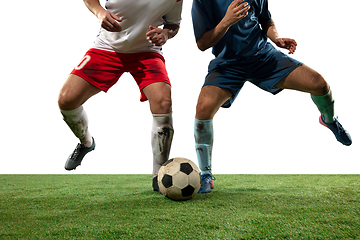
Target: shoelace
77,151
339,127
206,177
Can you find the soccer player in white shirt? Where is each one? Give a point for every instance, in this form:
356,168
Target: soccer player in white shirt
130,40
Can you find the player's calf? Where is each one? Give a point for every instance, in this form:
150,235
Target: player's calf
162,135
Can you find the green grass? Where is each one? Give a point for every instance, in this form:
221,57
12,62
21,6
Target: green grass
125,207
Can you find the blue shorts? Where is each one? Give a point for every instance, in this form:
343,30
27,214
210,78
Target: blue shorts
264,69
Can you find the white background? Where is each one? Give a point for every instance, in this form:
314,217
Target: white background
41,42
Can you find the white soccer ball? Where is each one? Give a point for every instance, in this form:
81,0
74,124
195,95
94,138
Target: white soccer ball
179,179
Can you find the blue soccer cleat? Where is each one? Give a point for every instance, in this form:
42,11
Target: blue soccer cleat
206,183
77,156
340,133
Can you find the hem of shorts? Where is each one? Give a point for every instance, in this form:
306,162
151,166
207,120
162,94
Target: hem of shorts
223,106
228,103
142,87
285,75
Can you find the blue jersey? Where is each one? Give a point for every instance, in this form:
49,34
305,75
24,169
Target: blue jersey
243,39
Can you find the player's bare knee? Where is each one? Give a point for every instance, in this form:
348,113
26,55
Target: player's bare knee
61,101
161,106
320,86
65,103
203,111
167,104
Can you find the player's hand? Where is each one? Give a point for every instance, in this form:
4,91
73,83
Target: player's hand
287,43
109,21
236,12
157,36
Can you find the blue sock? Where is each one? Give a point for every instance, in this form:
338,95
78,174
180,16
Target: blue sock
204,135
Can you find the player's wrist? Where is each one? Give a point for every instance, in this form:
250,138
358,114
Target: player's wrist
166,33
99,12
171,30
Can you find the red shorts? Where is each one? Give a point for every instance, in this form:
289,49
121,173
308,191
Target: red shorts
104,68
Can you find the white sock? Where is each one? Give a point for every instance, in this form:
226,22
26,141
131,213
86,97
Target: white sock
78,122
162,134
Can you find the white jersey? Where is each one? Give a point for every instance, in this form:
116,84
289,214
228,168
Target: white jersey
137,16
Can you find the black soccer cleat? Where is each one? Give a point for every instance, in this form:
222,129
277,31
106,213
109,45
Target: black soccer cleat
77,156
155,184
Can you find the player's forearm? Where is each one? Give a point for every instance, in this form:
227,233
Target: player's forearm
270,30
171,29
212,37
94,6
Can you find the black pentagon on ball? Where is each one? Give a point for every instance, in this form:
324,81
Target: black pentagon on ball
167,181
186,168
187,191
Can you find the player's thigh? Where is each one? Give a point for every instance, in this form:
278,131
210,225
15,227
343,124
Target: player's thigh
305,79
211,98
75,92
159,96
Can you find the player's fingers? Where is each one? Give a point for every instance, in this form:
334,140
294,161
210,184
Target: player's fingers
111,26
290,41
115,17
150,33
157,40
110,22
290,45
106,25
292,49
242,15
243,11
160,42
241,6
234,3
116,27
152,37
153,30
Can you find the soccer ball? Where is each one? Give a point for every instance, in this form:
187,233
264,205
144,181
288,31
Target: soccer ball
179,179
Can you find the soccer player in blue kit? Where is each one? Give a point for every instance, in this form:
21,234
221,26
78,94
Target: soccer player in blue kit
238,32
